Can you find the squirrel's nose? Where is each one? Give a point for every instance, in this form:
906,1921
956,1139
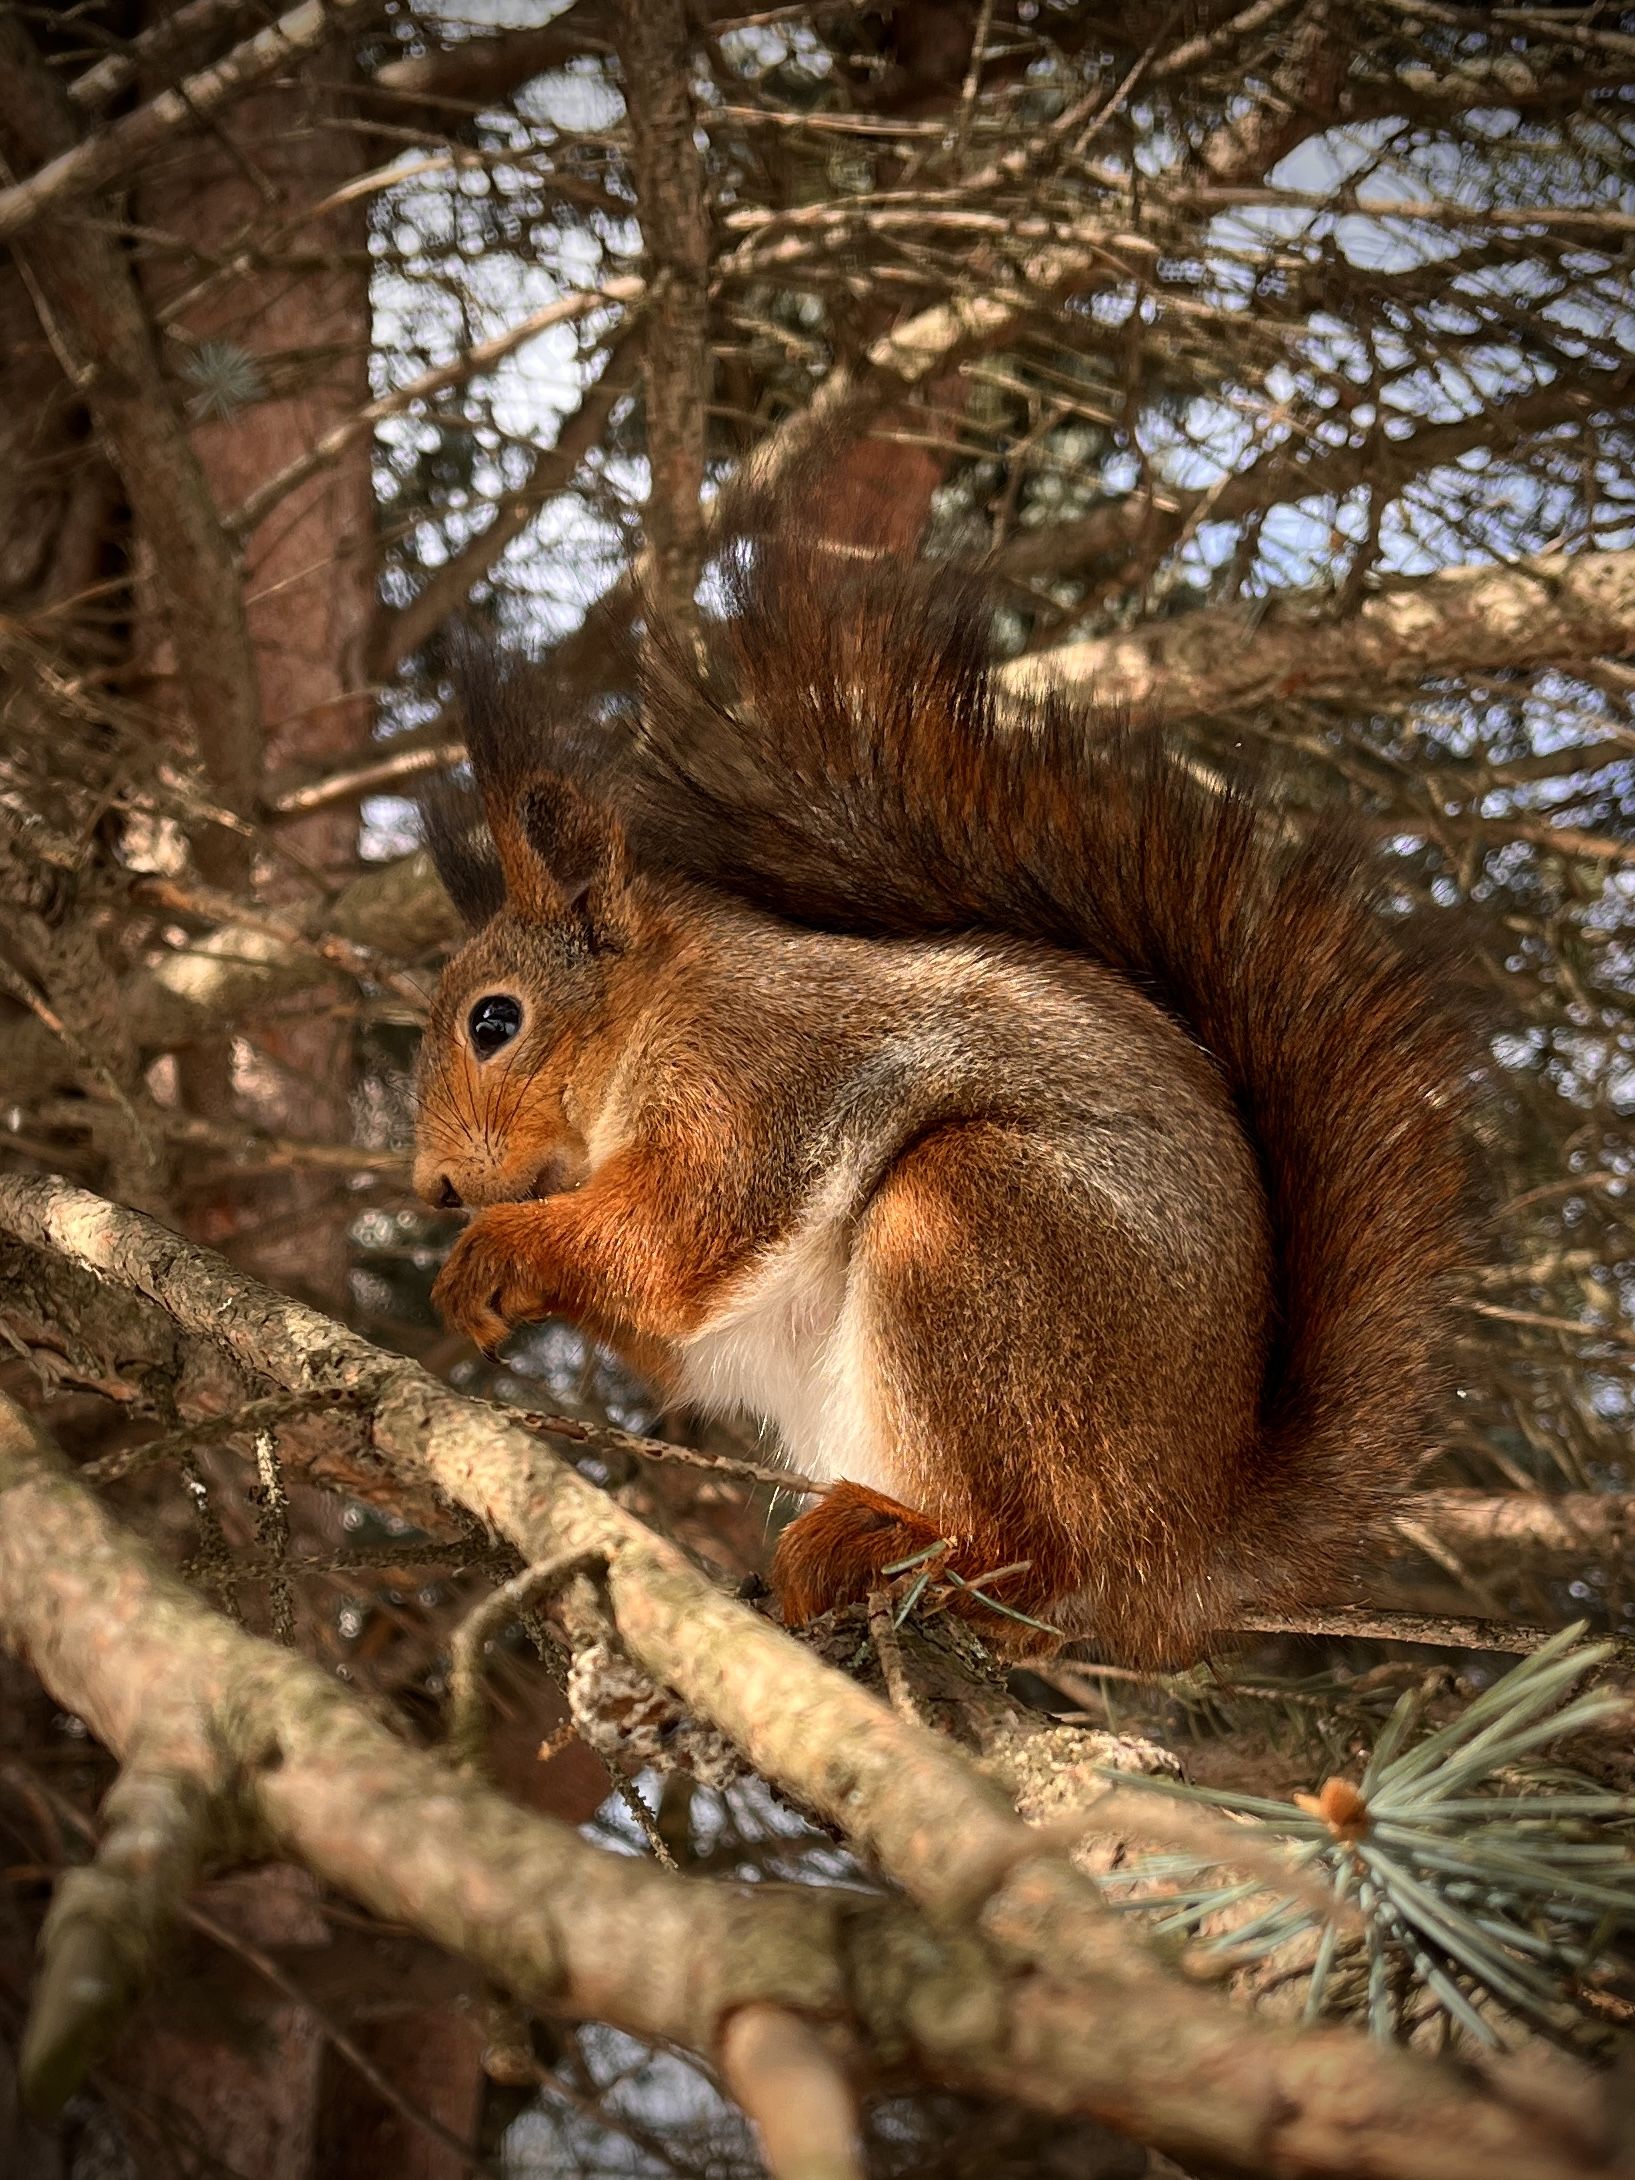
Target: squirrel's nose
435,1186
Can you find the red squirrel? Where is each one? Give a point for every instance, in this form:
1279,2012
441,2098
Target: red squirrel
1055,1144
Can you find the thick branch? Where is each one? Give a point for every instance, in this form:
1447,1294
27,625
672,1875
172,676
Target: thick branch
1552,609
123,1644
1096,2024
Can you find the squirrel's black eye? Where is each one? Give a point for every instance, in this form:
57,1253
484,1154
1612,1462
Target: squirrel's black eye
493,1022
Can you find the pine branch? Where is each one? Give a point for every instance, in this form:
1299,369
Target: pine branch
1488,1887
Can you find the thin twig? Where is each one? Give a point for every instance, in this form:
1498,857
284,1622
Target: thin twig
1411,1627
273,1535
467,1711
255,1415
883,1635
622,291
608,1438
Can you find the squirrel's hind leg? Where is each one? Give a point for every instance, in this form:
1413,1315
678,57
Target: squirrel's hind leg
918,1393
1038,1389
856,1540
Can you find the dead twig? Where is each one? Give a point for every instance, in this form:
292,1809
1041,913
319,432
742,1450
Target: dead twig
783,2074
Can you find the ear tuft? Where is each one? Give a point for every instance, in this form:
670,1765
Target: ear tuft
455,829
555,851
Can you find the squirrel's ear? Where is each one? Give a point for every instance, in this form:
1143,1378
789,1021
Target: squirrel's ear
565,856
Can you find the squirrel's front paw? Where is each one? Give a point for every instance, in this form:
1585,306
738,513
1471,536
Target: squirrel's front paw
487,1285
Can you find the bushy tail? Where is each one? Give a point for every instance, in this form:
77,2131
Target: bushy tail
843,757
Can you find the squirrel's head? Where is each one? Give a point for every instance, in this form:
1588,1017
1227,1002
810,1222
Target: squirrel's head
510,1062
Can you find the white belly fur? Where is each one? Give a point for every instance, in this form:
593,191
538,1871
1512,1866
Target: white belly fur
788,1346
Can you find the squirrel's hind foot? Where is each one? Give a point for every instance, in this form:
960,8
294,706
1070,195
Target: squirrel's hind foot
855,1540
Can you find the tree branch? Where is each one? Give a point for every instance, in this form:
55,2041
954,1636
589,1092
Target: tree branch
398,635
1505,1527
405,758
920,349
114,152
111,1918
470,363
85,290
102,83
122,1643
189,996
478,71
783,2073
1441,1631
1549,609
1301,470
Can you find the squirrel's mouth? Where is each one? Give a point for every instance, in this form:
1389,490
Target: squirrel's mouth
557,1177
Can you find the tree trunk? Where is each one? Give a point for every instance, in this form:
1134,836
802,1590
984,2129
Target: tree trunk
309,565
